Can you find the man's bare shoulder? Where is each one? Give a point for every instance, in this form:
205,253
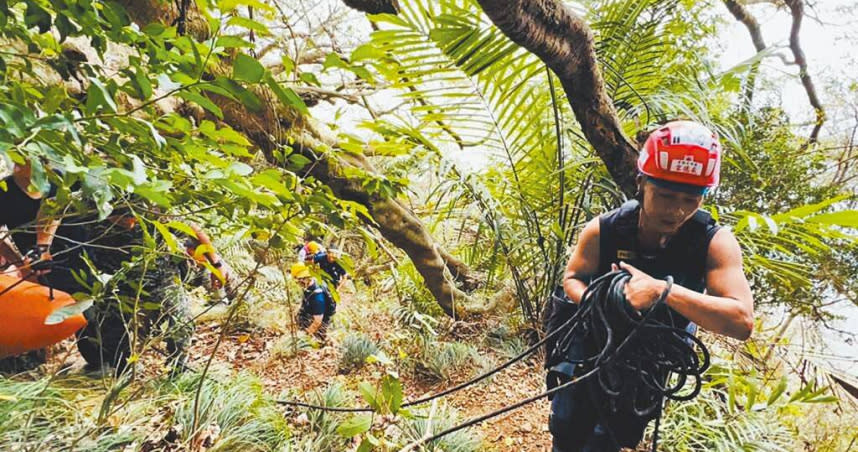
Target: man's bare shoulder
724,249
591,230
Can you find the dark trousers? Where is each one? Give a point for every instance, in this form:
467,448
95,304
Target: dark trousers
579,423
305,320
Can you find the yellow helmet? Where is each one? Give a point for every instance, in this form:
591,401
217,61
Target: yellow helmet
314,247
300,270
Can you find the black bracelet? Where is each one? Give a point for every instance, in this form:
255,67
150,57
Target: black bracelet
663,297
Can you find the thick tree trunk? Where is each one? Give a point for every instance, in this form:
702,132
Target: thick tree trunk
272,126
564,42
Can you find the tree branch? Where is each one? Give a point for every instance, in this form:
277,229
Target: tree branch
744,16
796,8
274,125
564,42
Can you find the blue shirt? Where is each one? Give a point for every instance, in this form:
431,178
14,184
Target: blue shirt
314,300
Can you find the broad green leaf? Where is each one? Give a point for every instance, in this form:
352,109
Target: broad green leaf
844,218
168,236
230,42
63,313
202,101
247,68
247,98
97,96
391,390
229,5
249,24
355,425
368,392
288,97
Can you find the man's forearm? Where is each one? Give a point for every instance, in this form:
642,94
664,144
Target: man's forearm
574,287
45,230
721,315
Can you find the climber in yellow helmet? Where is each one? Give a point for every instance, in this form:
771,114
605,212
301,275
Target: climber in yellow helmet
317,304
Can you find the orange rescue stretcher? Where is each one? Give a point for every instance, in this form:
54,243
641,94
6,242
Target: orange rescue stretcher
24,310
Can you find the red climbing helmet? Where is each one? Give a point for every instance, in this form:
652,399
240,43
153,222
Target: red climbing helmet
682,152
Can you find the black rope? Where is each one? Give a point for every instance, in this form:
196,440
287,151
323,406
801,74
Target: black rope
568,324
608,320
660,348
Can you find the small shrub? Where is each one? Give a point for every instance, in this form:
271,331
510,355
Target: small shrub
443,360
443,418
245,419
288,346
505,342
354,351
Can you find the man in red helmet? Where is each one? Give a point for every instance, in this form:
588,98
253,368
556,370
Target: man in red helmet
663,232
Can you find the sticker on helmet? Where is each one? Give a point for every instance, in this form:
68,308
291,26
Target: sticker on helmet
687,166
699,136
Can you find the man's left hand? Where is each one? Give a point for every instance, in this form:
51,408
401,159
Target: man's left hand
641,290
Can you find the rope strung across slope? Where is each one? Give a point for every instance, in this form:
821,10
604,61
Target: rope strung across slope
568,324
610,324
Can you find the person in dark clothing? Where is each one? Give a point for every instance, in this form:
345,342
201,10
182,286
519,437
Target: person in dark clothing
327,262
29,240
150,282
662,233
317,304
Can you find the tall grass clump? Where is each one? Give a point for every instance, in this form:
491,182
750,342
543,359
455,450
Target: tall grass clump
237,408
354,351
62,413
442,361
443,418
323,425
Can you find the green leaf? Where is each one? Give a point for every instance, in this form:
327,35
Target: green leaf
244,22
355,425
63,313
334,60
156,137
97,96
140,83
844,218
391,391
368,392
232,42
367,51
35,15
154,29
247,98
287,97
168,236
247,68
229,5
202,101
777,392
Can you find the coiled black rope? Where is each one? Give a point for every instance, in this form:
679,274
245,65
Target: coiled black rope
637,380
624,367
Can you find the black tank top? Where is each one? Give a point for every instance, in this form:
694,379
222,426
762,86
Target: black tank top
684,257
